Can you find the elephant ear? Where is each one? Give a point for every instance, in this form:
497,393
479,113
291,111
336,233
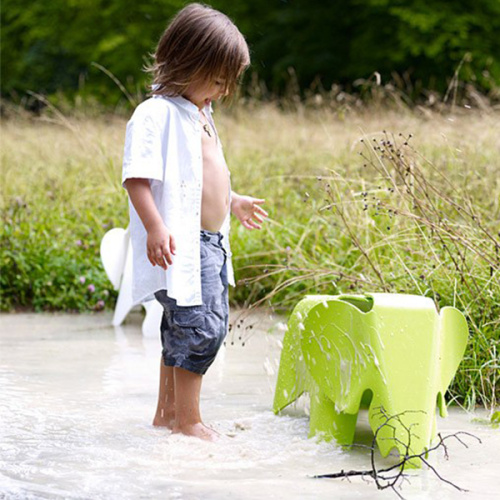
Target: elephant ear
113,250
336,350
453,340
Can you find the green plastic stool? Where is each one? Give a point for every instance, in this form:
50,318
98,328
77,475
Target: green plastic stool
389,351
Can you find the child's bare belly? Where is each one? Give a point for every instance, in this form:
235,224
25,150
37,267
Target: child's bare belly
215,195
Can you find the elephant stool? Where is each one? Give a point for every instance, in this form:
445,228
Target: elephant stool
116,257
390,352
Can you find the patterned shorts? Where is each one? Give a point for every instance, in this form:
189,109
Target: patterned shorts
192,335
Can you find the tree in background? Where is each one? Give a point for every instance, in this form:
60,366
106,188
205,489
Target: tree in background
50,45
343,40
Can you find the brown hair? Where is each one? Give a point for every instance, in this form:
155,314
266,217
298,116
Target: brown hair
199,44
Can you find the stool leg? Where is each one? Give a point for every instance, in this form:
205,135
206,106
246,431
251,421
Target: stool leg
325,420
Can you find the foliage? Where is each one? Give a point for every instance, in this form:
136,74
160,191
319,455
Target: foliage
395,221
495,419
50,260
341,42
336,226
53,217
52,46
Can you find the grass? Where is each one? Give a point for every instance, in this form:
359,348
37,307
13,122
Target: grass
355,203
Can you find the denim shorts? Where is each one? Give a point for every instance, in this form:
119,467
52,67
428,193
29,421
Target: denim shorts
192,335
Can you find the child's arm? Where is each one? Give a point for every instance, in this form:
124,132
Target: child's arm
160,244
247,210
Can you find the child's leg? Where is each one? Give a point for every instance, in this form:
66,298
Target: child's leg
191,337
165,411
187,406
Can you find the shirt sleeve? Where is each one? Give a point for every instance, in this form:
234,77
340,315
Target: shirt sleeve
143,157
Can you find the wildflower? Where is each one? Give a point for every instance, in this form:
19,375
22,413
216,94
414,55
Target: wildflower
99,305
82,279
91,288
78,243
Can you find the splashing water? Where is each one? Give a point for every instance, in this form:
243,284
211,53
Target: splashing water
77,400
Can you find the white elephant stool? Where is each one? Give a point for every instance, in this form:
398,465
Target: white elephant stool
116,257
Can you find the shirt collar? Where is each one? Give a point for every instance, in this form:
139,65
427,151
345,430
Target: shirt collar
187,105
184,103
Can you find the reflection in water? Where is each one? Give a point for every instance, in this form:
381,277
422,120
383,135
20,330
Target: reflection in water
77,398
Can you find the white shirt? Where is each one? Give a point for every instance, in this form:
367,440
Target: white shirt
163,144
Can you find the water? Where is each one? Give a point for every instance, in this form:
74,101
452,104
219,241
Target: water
77,399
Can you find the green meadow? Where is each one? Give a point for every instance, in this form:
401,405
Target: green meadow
360,200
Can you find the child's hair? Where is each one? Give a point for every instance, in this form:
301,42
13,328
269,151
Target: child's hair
200,44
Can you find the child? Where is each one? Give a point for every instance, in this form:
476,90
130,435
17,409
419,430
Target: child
179,188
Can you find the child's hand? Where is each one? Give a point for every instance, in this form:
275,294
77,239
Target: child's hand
248,211
160,246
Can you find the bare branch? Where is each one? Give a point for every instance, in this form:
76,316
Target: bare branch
382,479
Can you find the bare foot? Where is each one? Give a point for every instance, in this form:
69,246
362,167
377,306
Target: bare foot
163,419
198,430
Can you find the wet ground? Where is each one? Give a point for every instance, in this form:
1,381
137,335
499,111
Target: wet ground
77,398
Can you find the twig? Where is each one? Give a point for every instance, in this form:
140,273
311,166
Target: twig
384,481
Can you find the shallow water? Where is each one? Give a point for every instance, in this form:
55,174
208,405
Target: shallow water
77,398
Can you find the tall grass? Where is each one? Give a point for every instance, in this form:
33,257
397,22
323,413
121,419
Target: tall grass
403,203
60,193
355,205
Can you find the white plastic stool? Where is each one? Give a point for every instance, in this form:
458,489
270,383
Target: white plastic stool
116,257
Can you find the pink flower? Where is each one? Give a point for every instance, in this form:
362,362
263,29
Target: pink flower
82,279
91,288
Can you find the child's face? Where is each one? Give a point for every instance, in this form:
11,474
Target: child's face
202,94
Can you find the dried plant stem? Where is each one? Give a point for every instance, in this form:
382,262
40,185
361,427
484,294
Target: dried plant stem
380,476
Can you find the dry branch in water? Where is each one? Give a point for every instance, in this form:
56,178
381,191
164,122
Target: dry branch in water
393,477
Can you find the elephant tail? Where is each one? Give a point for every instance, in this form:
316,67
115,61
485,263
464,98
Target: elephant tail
453,334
